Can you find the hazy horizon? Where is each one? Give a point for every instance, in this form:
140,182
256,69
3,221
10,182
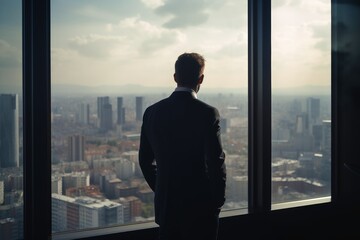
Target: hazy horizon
112,42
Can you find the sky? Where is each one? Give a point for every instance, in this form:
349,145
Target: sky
136,42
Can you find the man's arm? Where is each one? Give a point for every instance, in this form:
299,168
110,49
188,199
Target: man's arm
146,157
216,161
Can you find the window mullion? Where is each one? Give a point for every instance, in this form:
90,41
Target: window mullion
36,111
259,105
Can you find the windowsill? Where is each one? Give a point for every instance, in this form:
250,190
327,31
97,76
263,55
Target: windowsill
127,228
148,225
102,231
301,203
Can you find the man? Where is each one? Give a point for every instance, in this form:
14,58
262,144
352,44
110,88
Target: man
182,158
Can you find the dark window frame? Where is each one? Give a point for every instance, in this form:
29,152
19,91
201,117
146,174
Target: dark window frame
37,111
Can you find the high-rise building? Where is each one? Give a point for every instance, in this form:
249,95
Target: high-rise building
120,111
106,121
83,114
76,148
139,108
104,112
100,102
9,130
313,110
302,123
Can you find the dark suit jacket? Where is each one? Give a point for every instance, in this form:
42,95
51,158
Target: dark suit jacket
182,159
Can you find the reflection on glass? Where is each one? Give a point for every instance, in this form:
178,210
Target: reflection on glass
111,60
301,100
11,162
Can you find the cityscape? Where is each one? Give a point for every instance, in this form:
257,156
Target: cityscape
96,180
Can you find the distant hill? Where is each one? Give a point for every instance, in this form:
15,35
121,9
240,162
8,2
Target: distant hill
139,89
68,89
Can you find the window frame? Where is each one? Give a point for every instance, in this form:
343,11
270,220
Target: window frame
37,122
36,112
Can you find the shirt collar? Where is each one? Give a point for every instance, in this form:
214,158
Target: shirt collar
185,89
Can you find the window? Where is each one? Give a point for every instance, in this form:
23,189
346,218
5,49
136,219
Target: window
11,157
88,118
110,61
301,100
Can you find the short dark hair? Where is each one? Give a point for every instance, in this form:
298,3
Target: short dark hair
188,68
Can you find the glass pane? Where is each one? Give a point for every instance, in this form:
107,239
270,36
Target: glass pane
301,99
11,128
110,61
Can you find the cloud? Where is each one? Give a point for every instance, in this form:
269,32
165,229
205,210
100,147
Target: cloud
153,4
130,37
187,13
10,56
321,32
93,12
95,45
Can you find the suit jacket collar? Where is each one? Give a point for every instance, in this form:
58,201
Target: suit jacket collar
185,89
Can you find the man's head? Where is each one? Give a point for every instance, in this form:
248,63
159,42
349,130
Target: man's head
189,70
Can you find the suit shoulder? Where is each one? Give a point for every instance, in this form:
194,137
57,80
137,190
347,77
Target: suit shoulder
206,106
157,105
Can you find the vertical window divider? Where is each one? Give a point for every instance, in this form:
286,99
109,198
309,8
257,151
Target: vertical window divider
37,112
335,163
259,106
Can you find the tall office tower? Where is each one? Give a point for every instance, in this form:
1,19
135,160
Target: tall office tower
120,111
9,130
313,110
106,121
104,112
76,148
302,123
101,101
83,114
139,108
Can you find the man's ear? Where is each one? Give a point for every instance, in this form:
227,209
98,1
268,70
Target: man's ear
175,77
201,78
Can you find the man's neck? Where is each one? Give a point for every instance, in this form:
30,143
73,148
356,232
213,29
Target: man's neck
186,89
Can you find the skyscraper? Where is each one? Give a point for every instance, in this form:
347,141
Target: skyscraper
139,108
104,111
9,130
302,123
83,114
100,102
106,121
313,110
76,148
120,111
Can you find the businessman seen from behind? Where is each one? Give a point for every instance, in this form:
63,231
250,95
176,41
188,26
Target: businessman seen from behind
182,158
